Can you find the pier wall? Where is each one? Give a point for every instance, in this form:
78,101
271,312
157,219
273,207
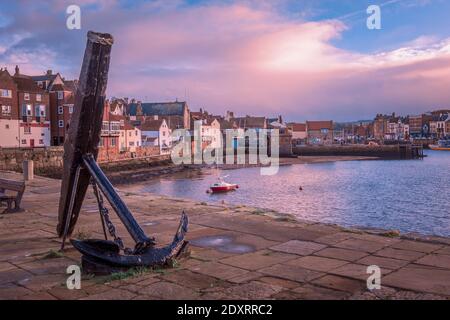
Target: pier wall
49,161
383,151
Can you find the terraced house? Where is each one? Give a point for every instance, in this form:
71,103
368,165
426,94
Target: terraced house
62,99
25,108
9,111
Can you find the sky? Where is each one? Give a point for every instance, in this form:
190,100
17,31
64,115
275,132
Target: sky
303,59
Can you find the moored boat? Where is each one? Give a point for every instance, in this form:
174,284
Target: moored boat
443,145
222,186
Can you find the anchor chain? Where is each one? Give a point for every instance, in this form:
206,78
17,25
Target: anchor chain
105,216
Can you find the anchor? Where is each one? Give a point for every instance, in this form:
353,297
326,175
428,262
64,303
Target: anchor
81,170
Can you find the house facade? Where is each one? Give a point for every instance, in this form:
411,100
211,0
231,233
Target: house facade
319,132
130,137
9,111
62,101
34,120
156,132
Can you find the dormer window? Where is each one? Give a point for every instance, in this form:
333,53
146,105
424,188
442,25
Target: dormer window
38,97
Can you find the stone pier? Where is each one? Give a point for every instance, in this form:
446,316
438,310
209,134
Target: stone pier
237,252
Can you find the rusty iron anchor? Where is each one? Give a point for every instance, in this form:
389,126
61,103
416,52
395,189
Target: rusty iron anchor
81,169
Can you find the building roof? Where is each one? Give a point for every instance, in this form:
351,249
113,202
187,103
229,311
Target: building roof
159,108
129,126
250,122
151,125
27,84
297,126
225,124
319,125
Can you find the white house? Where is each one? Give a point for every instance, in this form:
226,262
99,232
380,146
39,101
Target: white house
156,133
210,132
130,137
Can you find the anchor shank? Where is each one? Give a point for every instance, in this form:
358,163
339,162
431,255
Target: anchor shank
114,199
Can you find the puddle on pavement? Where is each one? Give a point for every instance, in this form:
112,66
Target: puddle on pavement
222,243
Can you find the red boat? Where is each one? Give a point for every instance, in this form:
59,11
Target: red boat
222,186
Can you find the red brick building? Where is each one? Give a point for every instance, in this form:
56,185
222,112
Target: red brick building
34,116
62,100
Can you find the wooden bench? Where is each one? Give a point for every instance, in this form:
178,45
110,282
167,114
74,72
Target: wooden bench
15,186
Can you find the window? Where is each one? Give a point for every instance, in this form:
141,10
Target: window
131,143
115,126
27,130
27,110
39,111
24,141
70,109
129,134
6,110
5,93
105,126
41,141
100,143
136,133
324,131
38,97
113,142
60,95
26,96
60,110
137,143
6,126
61,123
164,133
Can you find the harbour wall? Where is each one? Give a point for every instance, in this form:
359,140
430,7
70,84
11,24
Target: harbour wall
382,151
49,161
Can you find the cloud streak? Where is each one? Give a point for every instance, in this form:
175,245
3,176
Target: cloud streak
249,59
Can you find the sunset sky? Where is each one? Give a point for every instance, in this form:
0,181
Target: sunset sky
304,59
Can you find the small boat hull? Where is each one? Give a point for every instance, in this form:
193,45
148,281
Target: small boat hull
439,148
220,189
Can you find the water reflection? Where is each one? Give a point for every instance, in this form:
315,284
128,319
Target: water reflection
405,195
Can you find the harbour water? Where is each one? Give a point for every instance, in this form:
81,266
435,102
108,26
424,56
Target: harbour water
405,195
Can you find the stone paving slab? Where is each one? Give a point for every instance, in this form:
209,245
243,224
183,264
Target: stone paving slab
269,256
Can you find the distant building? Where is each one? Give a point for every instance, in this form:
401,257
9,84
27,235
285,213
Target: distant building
33,103
249,122
438,125
130,137
62,101
298,131
175,112
319,132
9,111
156,133
211,133
419,125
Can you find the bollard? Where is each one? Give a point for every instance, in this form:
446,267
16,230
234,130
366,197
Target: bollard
28,170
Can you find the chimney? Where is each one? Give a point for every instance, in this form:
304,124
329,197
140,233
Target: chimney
201,110
17,71
49,72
